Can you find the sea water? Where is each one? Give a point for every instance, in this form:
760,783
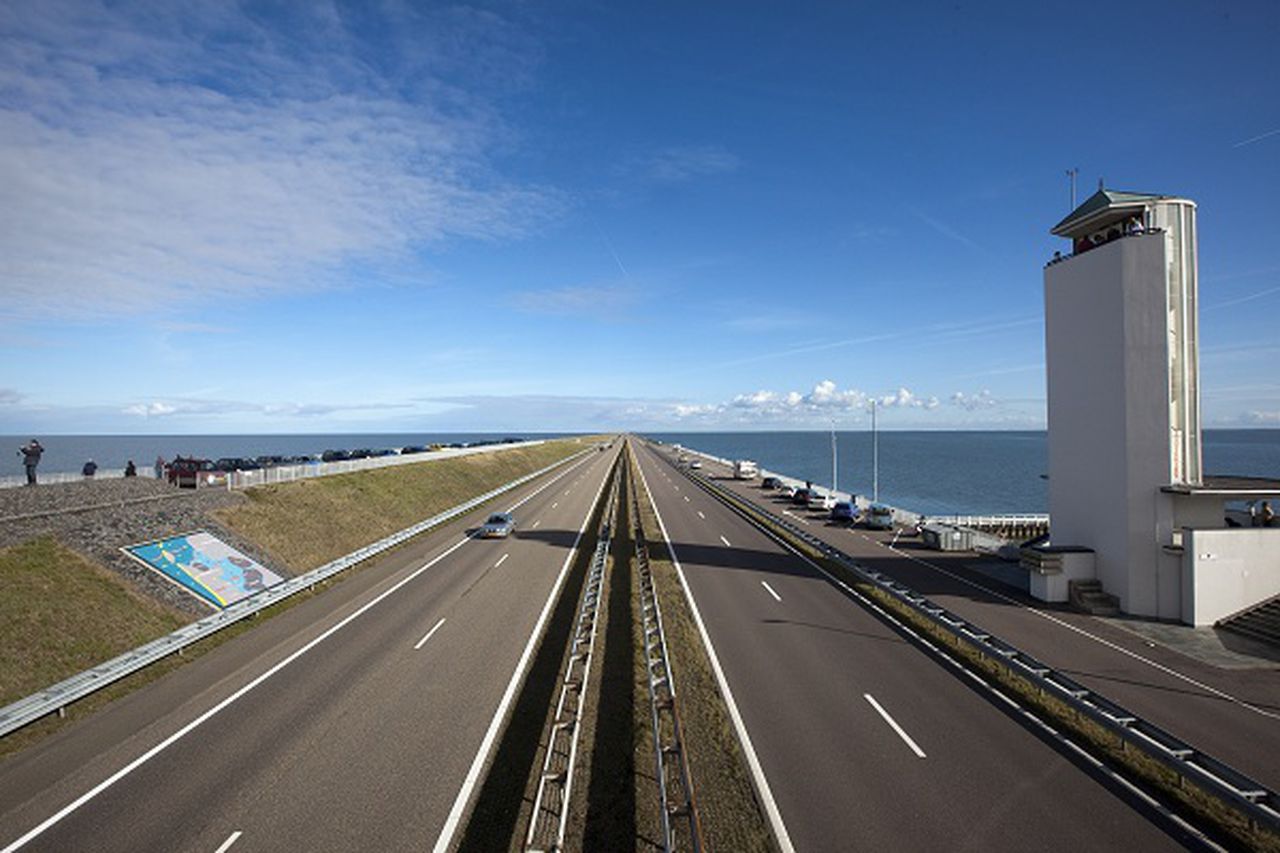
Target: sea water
969,473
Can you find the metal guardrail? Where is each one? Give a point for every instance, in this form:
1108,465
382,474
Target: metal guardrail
56,698
549,819
1258,804
675,783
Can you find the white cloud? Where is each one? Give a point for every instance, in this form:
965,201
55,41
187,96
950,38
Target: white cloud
148,158
971,402
1260,418
681,163
597,300
825,400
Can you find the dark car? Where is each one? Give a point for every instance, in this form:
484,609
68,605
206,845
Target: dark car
185,471
844,511
770,483
386,451
235,463
360,453
413,448
270,461
801,497
334,456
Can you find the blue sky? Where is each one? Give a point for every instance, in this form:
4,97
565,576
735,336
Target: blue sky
311,217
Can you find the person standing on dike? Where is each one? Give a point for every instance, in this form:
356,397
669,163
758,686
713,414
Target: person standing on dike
30,453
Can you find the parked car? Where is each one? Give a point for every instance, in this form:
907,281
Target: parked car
820,501
360,453
499,526
787,491
770,483
269,461
235,463
386,451
695,464
844,511
334,456
879,517
413,448
186,471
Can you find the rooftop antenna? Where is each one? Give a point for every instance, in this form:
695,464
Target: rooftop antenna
1099,184
1071,173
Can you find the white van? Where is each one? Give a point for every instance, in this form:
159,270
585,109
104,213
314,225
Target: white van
745,469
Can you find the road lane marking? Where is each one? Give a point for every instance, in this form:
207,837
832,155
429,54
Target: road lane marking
686,498
501,560
793,515
535,524
454,820
906,738
151,753
761,783
567,491
725,541
1115,646
226,845
427,636
765,584
556,504
207,715
701,516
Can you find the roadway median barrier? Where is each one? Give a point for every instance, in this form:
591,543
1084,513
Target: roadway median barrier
56,698
1206,790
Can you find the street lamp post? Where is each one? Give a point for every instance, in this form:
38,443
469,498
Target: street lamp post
875,456
834,468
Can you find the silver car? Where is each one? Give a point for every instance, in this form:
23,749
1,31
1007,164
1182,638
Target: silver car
499,526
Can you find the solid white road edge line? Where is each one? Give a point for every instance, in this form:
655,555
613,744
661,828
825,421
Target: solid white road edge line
231,839
753,761
725,541
207,715
1065,624
427,636
906,738
501,560
765,584
495,725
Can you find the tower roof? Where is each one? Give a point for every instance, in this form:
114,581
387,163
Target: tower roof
1104,204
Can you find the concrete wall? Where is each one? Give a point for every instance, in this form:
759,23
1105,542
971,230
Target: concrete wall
1106,346
1226,571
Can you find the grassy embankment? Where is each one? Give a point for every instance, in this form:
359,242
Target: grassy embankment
60,614
306,524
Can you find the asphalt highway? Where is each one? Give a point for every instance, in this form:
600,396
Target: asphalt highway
357,720
1231,713
863,740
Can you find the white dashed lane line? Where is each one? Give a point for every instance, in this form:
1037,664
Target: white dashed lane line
427,636
775,595
535,524
231,839
501,560
725,541
701,516
906,738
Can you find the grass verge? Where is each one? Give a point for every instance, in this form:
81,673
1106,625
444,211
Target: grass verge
1198,805
61,614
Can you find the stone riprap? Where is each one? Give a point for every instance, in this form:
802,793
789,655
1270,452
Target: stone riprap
98,517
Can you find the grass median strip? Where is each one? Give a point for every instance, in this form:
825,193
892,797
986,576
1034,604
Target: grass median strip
730,814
